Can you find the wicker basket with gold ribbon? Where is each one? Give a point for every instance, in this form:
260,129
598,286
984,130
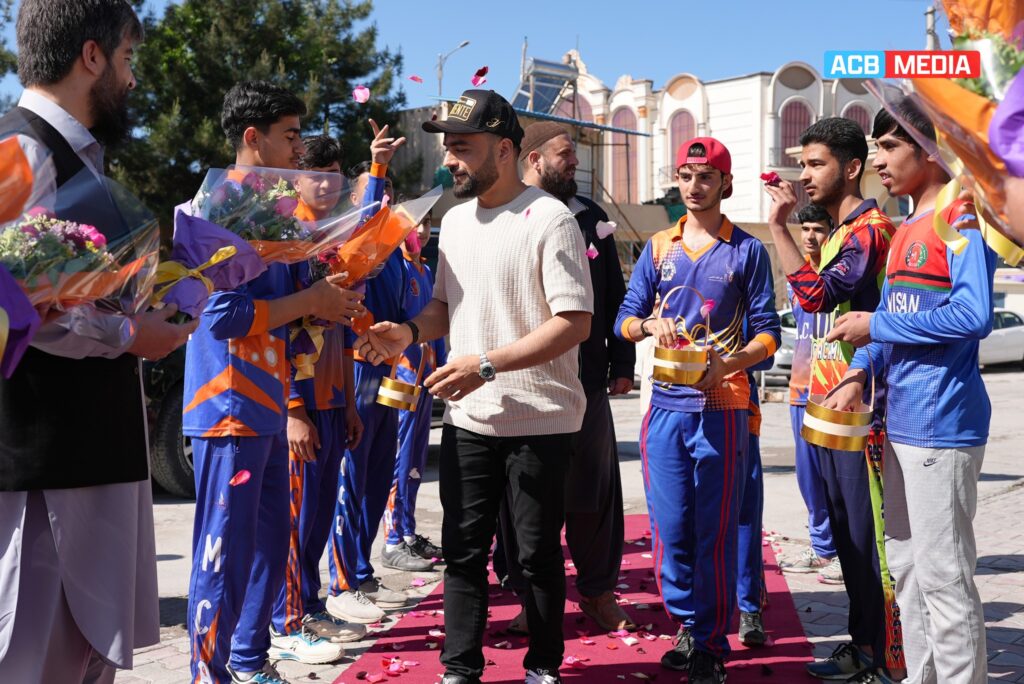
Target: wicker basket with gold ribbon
839,430
402,395
687,365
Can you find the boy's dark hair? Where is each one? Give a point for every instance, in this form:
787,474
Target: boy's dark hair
813,213
51,33
908,111
843,138
321,152
259,104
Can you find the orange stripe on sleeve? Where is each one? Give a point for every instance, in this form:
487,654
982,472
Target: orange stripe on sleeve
260,318
625,326
768,341
378,170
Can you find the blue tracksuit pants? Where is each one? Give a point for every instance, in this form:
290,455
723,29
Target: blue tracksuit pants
313,490
364,482
692,467
239,551
812,488
413,443
750,588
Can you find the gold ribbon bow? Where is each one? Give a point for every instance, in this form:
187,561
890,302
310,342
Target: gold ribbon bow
304,363
170,273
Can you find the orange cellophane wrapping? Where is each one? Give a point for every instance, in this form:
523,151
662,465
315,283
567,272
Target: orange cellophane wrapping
285,251
993,16
372,244
15,180
80,288
964,117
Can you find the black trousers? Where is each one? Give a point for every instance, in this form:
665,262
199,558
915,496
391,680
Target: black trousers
475,471
594,524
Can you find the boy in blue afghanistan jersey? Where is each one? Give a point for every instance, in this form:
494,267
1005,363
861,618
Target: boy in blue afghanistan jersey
367,470
923,340
236,386
694,439
322,423
403,543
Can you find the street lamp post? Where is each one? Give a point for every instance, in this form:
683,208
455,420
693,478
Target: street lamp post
441,59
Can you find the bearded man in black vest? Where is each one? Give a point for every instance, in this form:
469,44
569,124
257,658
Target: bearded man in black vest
78,573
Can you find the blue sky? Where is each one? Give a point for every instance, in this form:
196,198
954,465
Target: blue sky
709,39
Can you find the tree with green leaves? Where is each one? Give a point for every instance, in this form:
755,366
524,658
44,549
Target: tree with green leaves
8,60
195,51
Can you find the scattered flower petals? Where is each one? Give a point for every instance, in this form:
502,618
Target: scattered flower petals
411,663
625,562
416,79
622,586
630,641
503,644
397,647
240,478
592,252
650,637
587,642
642,606
436,633
527,215
361,94
385,200
606,228
419,581
375,677
640,675
771,178
612,647
646,555
666,637
480,77
575,662
433,645
619,633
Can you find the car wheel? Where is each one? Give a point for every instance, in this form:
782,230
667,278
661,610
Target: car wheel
171,457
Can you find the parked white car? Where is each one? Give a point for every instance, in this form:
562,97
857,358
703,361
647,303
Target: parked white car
1006,342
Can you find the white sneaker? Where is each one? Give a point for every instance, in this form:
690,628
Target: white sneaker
354,606
333,629
267,675
381,596
304,646
806,563
831,573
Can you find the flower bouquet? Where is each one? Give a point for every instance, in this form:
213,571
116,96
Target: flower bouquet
286,216
18,319
377,240
962,111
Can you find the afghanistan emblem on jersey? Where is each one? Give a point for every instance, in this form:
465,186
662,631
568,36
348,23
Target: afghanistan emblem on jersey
668,269
414,288
917,254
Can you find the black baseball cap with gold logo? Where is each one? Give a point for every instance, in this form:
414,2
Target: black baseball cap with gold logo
480,111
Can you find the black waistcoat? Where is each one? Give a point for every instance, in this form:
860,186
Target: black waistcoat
71,422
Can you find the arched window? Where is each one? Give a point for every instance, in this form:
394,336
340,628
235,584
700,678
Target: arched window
796,117
624,185
860,116
583,111
682,127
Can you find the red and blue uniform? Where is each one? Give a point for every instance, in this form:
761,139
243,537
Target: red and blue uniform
694,444
366,472
935,307
852,264
413,426
236,387
808,472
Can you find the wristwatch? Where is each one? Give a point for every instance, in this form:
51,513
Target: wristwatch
487,370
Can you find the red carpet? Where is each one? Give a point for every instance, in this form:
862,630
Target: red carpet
607,659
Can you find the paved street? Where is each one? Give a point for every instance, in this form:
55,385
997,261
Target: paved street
821,607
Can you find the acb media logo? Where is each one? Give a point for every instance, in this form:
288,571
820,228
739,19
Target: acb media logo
902,64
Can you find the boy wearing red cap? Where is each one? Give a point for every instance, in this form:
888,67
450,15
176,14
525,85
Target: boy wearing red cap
693,440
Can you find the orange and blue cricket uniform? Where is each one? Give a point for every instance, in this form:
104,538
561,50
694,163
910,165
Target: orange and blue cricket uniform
413,426
364,479
313,485
852,265
694,444
808,470
236,389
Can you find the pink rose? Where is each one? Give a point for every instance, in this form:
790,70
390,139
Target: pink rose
285,206
254,181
